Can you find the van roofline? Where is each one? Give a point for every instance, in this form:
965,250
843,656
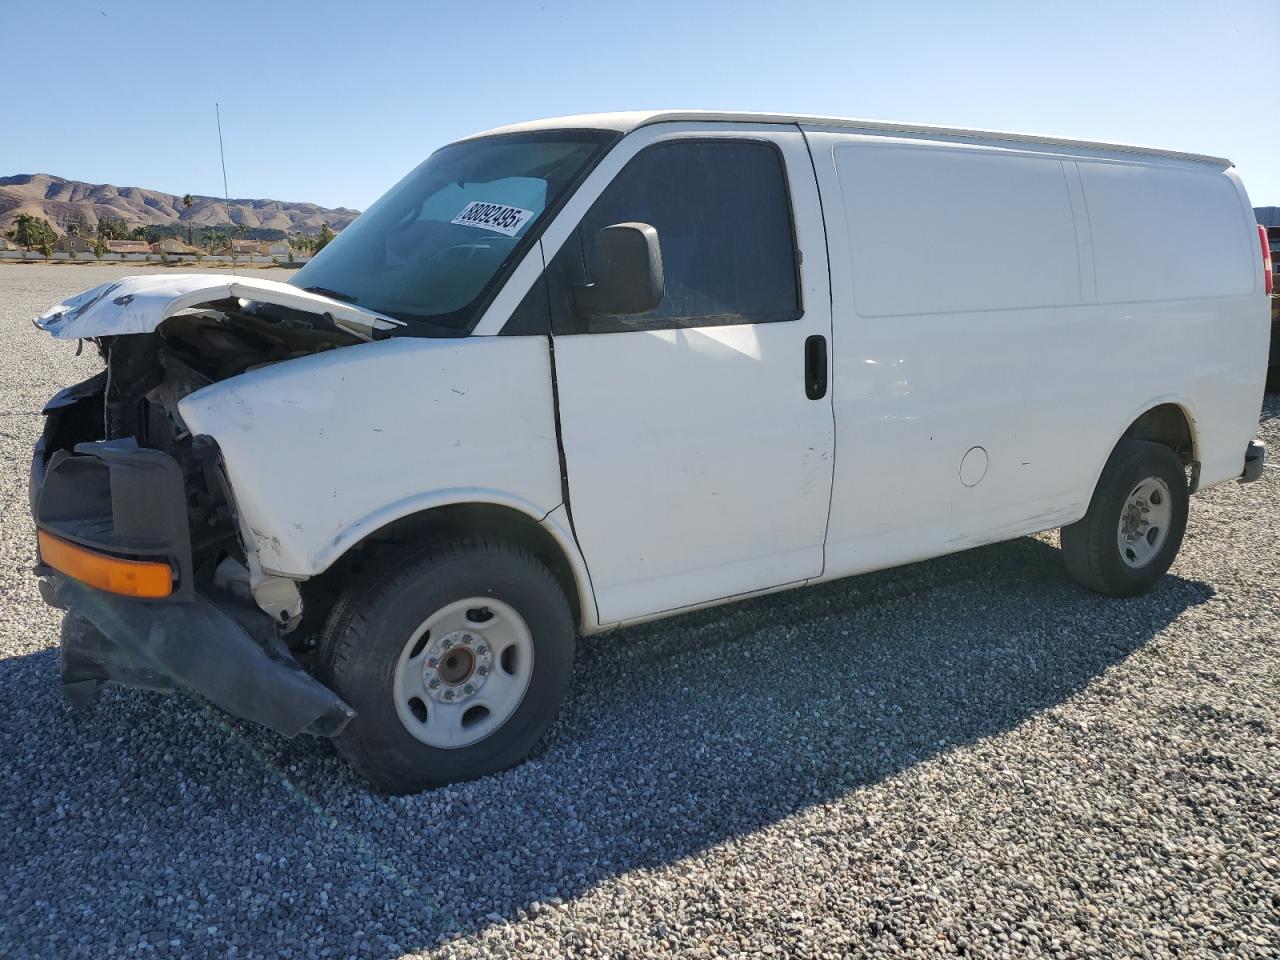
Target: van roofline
626,121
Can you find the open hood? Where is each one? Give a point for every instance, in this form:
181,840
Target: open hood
140,304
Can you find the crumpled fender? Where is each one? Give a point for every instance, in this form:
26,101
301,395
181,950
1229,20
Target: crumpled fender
140,304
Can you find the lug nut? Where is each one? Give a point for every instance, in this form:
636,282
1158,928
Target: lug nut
448,694
434,684
482,671
432,661
468,689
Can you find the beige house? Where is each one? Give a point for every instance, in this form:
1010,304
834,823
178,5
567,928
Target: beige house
249,248
128,246
173,247
70,244
276,248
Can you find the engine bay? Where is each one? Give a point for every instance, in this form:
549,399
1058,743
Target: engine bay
135,400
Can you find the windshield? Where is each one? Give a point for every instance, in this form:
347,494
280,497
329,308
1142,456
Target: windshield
433,248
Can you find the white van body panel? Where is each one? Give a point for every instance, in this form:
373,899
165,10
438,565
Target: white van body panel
674,501
987,357
326,449
720,369
698,469
999,309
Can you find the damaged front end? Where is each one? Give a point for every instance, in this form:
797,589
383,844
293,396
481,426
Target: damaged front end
138,534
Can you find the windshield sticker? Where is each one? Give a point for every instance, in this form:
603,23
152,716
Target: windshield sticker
493,216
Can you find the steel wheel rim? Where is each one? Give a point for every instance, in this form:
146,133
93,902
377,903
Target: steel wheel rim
1144,522
463,672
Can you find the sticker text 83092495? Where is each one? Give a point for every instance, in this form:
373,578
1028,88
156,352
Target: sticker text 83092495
493,216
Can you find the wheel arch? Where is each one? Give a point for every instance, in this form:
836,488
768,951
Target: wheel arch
1168,420
513,522
1169,424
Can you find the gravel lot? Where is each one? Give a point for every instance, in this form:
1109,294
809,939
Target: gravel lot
968,755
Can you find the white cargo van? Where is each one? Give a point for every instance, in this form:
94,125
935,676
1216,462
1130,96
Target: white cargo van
580,373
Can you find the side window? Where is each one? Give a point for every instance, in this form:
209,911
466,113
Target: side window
723,217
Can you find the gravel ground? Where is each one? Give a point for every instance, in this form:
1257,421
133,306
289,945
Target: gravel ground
968,755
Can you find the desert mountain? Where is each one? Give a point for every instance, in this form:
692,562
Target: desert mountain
63,201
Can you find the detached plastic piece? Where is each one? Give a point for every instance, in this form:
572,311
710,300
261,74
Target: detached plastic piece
1255,455
199,645
117,498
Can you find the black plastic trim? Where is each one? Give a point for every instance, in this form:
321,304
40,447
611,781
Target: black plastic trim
70,396
201,645
815,366
1255,458
117,498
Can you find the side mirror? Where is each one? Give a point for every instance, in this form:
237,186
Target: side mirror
626,262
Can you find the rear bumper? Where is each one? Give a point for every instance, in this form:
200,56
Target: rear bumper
1255,455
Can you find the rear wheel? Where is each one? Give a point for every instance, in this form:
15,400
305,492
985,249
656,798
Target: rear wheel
455,659
1136,519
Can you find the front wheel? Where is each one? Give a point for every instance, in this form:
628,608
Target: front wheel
456,661
1136,519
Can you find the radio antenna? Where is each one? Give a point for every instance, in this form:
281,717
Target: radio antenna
226,194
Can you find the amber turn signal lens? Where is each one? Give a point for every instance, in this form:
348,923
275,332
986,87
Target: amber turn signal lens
131,578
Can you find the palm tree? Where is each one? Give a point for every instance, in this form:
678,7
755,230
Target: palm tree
188,202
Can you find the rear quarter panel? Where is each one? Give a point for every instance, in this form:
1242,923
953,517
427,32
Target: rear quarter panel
1232,394
1047,369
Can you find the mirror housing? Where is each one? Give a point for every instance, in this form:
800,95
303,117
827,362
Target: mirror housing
626,262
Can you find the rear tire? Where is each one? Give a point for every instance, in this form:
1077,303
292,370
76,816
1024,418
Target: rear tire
1136,519
473,629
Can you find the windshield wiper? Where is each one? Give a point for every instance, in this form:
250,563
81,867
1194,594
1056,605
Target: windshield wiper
332,294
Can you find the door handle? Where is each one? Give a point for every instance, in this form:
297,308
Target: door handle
815,367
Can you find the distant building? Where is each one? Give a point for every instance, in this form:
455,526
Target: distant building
276,248
70,244
251,248
7,244
173,247
128,246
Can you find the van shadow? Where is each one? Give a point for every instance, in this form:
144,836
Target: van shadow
677,736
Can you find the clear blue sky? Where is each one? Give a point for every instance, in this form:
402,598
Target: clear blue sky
334,101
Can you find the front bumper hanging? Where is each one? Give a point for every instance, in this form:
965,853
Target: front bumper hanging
114,508
197,644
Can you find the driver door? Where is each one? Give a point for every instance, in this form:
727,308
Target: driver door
698,437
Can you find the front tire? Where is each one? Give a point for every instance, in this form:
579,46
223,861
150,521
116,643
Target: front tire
1136,519
456,660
